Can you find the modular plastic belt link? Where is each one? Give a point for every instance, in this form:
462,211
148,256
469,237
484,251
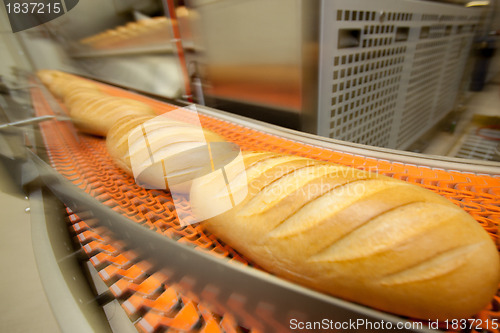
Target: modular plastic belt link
146,296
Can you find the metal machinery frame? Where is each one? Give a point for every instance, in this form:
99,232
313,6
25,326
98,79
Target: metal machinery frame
377,72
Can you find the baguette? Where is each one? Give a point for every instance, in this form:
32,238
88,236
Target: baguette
80,94
360,236
90,109
117,140
167,140
96,114
62,84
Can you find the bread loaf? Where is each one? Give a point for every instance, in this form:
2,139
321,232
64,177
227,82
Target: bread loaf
96,114
91,110
117,140
360,236
47,75
65,86
159,145
62,84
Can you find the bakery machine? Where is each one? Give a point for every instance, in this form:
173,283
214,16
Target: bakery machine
378,72
112,256
128,43
149,273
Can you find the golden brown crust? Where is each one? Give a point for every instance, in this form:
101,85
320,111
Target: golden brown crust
96,114
359,236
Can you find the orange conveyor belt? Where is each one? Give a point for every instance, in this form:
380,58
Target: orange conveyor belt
147,298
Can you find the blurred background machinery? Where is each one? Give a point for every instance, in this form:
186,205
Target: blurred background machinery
381,73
